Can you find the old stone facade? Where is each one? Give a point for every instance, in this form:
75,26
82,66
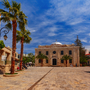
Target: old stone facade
5,65
55,51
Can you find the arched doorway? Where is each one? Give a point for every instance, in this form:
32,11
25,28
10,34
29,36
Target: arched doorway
54,62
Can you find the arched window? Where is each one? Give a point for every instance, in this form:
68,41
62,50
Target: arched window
46,52
39,52
62,52
70,60
46,61
39,60
62,61
70,52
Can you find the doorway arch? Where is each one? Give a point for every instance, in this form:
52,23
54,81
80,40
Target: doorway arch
54,61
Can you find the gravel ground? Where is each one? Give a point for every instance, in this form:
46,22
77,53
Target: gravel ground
25,79
66,78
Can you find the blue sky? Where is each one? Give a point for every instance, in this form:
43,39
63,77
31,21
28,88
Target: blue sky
49,20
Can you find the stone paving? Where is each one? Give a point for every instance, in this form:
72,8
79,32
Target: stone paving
25,79
66,78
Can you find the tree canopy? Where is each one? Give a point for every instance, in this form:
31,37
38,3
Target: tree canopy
25,60
2,45
31,57
81,49
66,57
41,56
83,58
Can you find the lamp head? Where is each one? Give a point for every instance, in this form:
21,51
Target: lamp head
5,37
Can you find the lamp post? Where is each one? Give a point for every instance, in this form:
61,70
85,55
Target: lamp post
5,31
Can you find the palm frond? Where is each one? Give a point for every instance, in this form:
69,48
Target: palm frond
66,57
18,38
9,25
6,4
19,33
22,17
16,5
4,13
4,19
27,39
1,10
41,56
28,32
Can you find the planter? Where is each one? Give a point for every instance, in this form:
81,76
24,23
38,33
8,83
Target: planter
10,75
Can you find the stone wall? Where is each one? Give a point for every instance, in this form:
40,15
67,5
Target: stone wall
57,55
2,69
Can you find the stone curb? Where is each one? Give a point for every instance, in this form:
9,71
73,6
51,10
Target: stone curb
10,75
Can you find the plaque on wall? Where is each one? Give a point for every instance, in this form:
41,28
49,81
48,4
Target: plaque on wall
3,58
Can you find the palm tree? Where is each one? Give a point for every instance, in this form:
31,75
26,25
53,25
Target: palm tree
23,36
66,57
41,56
11,14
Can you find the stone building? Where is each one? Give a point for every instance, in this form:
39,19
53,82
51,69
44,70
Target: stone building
55,51
87,53
5,59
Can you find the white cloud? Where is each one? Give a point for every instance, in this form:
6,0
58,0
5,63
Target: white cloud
88,34
52,34
31,29
70,11
87,47
83,40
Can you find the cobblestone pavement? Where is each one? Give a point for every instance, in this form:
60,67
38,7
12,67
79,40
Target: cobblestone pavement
66,78
25,79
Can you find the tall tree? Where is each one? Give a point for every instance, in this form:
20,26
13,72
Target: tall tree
66,57
23,37
11,14
41,57
81,49
31,57
83,58
23,34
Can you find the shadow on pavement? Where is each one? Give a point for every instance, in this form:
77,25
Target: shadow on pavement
87,71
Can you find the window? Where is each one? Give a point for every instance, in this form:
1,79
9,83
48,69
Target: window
54,52
61,52
18,56
39,52
39,60
46,61
46,52
62,61
70,52
70,60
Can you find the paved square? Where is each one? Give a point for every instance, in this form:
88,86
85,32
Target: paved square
59,78
66,78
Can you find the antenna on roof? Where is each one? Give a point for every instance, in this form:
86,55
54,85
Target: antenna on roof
56,40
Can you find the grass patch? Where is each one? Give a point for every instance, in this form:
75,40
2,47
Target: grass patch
10,74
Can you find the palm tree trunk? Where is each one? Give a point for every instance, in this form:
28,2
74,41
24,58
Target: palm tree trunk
13,46
66,63
41,62
21,56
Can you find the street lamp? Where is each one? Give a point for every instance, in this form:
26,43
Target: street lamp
6,31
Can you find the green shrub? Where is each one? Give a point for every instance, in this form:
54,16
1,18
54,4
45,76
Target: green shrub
2,45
